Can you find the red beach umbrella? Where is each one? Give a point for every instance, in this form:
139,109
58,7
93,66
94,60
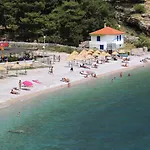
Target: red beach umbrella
27,83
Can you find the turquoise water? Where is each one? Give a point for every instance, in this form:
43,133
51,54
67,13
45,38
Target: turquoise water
97,115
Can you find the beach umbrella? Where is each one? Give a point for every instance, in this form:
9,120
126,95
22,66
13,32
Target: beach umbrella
27,83
71,57
83,53
107,55
80,57
95,54
90,51
89,57
122,52
103,53
97,51
114,53
74,53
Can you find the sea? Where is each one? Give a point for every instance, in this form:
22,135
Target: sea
101,114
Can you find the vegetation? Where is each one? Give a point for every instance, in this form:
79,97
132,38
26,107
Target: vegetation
143,41
64,22
139,8
126,1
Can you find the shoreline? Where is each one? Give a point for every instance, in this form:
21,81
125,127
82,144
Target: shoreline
33,94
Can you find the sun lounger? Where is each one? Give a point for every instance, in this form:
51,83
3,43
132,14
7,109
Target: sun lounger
83,66
26,89
36,81
15,88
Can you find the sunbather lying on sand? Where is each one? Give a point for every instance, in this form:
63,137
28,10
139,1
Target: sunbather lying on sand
14,92
65,80
125,65
83,66
84,72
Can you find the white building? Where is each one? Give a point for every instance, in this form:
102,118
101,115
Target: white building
107,39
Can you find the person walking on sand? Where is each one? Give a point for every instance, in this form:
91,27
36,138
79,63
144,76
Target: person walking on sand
71,69
51,70
19,84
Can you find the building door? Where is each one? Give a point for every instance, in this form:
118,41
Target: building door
102,47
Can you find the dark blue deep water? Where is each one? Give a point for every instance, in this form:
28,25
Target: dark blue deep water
96,115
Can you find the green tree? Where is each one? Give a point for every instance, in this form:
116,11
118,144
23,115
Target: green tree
97,13
143,41
66,21
139,8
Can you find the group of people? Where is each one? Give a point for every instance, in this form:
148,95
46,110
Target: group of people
121,75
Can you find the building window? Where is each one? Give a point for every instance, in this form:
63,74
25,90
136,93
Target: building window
118,37
101,47
98,38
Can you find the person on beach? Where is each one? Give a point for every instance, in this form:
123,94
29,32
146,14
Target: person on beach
51,70
68,84
59,58
129,74
71,69
19,84
120,74
13,92
94,75
86,76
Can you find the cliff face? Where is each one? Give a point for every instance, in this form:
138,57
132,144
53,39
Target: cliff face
140,21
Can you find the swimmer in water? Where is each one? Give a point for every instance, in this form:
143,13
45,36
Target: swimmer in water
18,114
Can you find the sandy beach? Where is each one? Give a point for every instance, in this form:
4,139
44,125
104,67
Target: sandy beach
51,82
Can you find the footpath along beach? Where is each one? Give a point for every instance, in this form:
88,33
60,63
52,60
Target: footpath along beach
50,82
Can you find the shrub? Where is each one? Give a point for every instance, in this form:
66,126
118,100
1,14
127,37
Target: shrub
143,41
139,8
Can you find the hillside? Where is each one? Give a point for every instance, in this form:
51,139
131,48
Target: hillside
140,22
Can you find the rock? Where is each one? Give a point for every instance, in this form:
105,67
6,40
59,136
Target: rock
141,22
131,39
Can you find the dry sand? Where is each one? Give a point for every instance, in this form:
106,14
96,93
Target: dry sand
51,82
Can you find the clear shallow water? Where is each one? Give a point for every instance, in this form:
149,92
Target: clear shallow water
96,115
